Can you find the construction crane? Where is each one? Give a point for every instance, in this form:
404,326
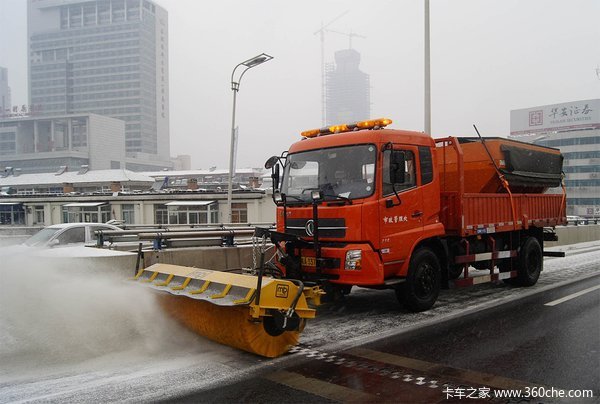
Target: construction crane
321,31
350,35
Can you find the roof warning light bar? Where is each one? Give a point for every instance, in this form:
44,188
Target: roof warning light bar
328,130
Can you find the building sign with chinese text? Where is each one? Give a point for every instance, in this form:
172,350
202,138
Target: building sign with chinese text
18,111
556,117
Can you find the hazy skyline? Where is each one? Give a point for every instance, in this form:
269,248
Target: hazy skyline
488,57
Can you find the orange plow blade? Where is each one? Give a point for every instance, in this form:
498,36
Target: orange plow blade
228,326
227,308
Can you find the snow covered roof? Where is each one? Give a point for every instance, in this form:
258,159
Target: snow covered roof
92,176
202,173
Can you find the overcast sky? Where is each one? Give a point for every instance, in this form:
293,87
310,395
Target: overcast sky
487,56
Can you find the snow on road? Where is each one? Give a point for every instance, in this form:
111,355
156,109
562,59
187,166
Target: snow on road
68,331
68,334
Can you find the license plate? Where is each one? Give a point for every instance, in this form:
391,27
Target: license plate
308,261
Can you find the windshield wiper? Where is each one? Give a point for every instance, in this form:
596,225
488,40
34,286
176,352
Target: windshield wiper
325,195
297,198
339,198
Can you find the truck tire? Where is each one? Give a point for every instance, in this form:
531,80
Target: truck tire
529,262
422,286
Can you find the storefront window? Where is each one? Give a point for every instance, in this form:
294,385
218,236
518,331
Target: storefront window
12,214
128,212
161,215
87,214
182,213
239,213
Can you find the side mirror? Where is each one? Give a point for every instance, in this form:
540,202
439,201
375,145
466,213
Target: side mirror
397,167
270,163
54,242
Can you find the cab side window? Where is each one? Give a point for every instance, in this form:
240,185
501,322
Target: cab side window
409,172
426,165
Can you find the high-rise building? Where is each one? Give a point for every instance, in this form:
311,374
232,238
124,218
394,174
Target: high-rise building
107,57
574,128
347,90
5,103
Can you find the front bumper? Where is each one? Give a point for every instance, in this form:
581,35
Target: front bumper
334,262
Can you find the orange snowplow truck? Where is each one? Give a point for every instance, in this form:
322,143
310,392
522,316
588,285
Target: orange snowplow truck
361,205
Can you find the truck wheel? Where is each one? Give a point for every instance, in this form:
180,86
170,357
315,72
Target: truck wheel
529,262
422,286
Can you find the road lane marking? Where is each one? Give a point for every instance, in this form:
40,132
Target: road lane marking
439,370
320,388
572,296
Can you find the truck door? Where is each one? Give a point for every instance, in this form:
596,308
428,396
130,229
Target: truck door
401,216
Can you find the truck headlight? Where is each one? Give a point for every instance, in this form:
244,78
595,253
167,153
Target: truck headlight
353,260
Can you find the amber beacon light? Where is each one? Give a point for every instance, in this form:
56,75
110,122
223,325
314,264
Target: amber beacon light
328,130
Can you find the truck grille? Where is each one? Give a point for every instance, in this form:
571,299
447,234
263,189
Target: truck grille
328,228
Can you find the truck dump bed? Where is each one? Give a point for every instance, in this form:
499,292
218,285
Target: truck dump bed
473,199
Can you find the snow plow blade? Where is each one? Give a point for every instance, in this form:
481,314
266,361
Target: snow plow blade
265,318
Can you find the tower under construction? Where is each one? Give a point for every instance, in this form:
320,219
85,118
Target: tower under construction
347,95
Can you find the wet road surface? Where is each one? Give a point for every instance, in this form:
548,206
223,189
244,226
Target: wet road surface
556,346
548,340
65,339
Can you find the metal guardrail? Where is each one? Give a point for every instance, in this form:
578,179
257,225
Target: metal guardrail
194,226
159,238
582,221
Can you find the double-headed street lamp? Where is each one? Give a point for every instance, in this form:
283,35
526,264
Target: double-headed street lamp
235,87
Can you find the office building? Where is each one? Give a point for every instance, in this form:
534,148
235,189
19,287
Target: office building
574,128
182,162
347,90
106,57
62,142
5,102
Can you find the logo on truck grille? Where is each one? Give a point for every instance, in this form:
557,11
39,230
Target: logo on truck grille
328,227
310,228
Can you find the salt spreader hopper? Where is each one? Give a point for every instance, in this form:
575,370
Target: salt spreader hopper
258,314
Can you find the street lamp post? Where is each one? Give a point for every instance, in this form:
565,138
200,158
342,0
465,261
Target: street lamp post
427,97
235,87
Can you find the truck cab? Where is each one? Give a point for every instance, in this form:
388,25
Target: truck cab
359,200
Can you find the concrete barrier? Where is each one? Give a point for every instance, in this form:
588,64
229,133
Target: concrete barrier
19,230
11,235
123,264
216,258
221,258
575,234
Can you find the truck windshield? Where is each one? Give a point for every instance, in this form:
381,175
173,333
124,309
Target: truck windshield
339,173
